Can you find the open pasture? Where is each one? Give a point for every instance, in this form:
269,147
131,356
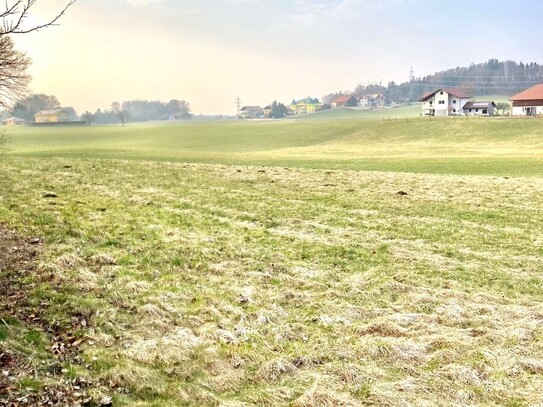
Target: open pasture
252,266
448,146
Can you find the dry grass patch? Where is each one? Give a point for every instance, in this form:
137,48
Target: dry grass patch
212,285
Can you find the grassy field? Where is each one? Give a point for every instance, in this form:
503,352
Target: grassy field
448,146
257,264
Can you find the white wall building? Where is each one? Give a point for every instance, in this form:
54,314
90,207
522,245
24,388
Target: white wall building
444,102
479,109
528,102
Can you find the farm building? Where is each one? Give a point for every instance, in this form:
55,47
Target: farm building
528,102
52,116
444,102
344,101
250,112
479,108
13,121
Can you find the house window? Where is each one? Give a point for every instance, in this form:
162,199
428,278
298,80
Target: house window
470,110
454,102
441,93
441,102
476,110
431,103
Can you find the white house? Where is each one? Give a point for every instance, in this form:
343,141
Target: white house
444,102
375,100
479,108
528,102
250,112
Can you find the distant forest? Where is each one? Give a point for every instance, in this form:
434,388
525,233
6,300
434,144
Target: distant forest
489,78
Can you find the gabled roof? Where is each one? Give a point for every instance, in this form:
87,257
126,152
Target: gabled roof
14,119
251,108
459,93
308,101
50,112
342,99
533,93
478,105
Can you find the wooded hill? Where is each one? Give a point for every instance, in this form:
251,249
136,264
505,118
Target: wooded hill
489,78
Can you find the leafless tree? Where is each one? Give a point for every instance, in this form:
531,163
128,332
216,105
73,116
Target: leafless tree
14,78
14,13
13,73
122,114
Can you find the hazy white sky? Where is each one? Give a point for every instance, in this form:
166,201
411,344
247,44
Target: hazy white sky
208,52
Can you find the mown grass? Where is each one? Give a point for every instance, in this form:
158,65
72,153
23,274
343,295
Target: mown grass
483,146
241,285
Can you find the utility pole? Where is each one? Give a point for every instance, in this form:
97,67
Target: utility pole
238,105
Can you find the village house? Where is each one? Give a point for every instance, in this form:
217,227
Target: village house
250,112
344,101
528,102
13,121
373,100
444,102
52,116
267,111
304,106
479,109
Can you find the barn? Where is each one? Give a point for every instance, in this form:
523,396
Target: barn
344,101
528,102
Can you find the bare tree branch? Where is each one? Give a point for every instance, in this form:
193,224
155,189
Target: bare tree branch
14,78
15,12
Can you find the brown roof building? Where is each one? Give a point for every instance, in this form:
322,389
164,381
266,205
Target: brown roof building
528,102
344,101
444,102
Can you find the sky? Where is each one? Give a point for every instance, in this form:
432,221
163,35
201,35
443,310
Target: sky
209,52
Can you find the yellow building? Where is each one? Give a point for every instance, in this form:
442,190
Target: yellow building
305,106
52,116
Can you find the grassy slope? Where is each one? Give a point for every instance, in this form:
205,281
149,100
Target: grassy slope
229,284
475,146
223,285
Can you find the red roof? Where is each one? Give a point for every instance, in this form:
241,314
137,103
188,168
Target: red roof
342,99
533,93
459,93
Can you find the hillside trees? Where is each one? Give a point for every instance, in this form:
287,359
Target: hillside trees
493,77
30,105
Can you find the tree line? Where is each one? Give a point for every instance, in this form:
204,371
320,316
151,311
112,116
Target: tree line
493,77
133,110
140,111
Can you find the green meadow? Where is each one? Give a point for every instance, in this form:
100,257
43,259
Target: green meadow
318,262
402,144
